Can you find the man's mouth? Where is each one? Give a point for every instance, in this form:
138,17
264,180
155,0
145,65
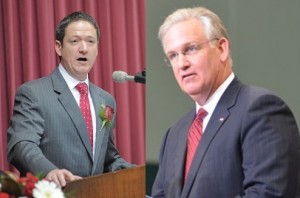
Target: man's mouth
82,59
186,76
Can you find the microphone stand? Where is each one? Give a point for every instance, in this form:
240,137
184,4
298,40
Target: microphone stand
140,77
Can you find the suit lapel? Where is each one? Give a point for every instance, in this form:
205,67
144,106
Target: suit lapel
219,116
97,101
68,102
179,166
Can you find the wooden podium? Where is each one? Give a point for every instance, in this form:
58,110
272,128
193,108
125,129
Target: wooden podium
126,183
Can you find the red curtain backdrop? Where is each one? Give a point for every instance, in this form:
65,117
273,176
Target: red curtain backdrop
27,37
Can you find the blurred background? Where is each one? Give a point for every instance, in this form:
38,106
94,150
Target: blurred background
265,49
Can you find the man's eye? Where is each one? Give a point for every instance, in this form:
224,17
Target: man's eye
191,48
74,41
172,56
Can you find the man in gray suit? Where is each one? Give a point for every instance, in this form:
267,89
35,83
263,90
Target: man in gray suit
48,133
249,141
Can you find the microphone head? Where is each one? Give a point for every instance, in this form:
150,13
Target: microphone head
119,76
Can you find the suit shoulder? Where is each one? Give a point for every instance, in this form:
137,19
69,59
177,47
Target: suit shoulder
245,91
36,84
253,92
252,97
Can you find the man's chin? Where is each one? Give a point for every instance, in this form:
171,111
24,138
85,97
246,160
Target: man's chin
190,91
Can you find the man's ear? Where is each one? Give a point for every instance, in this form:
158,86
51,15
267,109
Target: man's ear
223,46
58,46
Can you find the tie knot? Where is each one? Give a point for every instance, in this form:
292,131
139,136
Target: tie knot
82,88
201,114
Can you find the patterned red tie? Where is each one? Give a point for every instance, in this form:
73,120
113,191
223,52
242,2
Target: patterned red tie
194,137
85,108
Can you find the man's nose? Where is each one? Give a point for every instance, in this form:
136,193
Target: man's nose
182,60
83,46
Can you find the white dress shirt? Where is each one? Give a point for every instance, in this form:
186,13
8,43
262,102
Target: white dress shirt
213,100
72,82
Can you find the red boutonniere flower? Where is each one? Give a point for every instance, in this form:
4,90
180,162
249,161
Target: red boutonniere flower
106,114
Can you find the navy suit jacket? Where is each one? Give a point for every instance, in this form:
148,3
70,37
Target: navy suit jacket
48,131
250,148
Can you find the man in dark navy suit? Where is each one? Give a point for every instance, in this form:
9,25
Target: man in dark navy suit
249,144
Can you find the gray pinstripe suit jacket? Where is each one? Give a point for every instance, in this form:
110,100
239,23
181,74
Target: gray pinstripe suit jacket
47,130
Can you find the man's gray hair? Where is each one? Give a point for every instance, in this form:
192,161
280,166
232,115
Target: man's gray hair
213,26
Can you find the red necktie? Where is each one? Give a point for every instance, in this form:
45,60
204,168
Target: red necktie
194,137
85,108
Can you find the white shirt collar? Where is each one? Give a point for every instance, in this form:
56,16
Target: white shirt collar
71,82
213,100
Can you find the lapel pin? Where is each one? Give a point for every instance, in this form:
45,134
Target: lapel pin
221,119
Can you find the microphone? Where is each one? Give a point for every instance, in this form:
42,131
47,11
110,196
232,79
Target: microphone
121,76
